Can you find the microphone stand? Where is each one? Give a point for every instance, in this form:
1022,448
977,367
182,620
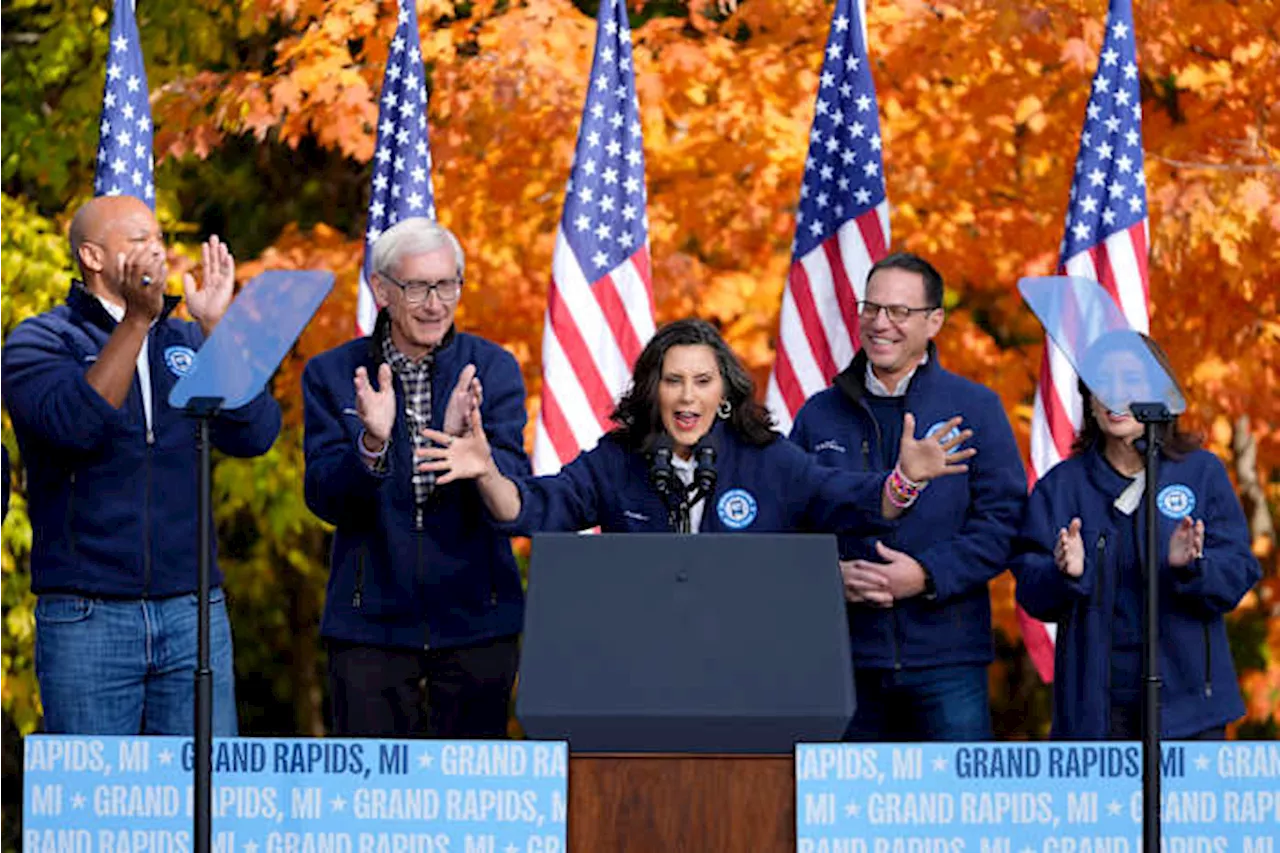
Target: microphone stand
1151,415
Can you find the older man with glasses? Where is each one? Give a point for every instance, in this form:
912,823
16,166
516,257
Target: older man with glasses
919,612
424,603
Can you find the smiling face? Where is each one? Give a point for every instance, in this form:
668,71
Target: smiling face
690,389
894,349
416,329
1121,378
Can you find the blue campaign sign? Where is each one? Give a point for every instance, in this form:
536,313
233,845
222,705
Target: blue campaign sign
1033,798
296,795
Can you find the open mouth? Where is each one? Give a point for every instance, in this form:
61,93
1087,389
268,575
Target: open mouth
686,420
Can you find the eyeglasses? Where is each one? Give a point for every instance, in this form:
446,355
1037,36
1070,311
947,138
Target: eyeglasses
869,311
415,292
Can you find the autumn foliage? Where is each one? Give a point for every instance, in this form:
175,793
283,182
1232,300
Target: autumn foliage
265,114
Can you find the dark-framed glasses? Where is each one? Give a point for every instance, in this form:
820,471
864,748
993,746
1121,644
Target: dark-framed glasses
415,292
868,311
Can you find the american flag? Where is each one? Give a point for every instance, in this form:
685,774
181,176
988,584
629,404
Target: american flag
842,226
600,301
125,164
1105,240
401,185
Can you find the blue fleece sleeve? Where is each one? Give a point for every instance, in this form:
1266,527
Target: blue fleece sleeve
566,501
48,396
833,500
997,488
1041,589
1214,584
504,415
337,484
799,434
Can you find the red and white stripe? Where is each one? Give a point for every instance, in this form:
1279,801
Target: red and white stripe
592,333
818,326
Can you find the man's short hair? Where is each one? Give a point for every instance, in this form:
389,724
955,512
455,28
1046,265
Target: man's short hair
911,262
416,235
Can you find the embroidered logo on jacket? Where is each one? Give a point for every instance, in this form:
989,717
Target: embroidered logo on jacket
952,433
179,359
737,509
1176,501
829,444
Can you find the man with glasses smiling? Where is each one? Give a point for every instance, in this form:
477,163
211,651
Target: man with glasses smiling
919,611
422,591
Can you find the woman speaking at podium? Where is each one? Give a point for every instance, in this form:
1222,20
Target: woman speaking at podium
1079,563
693,450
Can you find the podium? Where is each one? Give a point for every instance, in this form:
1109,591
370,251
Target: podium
682,670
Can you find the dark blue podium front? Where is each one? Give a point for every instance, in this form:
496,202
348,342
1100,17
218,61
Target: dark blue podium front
705,643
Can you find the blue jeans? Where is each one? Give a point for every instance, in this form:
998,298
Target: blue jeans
127,666
942,703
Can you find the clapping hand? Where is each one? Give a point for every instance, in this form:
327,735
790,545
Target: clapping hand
1187,543
1068,550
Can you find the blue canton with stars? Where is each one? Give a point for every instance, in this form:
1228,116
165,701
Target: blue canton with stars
1109,192
604,210
125,157
401,186
844,171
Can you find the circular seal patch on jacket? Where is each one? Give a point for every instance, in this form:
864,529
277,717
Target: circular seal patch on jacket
736,508
1176,501
938,427
179,360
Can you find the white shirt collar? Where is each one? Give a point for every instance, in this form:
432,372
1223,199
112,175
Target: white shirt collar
875,386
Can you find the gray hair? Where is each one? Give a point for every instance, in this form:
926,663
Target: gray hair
416,235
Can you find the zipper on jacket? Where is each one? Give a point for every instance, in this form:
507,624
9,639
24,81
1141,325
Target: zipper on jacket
417,518
1208,664
357,596
866,454
71,512
146,522
422,580
1100,563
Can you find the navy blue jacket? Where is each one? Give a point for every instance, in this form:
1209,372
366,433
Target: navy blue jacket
769,489
113,506
452,581
1199,688
960,529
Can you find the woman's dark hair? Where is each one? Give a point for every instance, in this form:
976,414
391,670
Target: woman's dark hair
1174,442
637,415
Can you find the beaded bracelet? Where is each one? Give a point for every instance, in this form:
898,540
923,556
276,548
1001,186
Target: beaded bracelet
901,491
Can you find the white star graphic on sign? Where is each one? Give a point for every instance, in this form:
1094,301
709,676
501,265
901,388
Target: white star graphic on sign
77,801
511,848
1201,762
251,847
1114,808
852,809
337,804
939,764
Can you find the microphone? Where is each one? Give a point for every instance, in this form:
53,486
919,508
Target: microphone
661,475
704,477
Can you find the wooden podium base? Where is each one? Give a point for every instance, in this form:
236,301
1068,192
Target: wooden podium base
656,803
